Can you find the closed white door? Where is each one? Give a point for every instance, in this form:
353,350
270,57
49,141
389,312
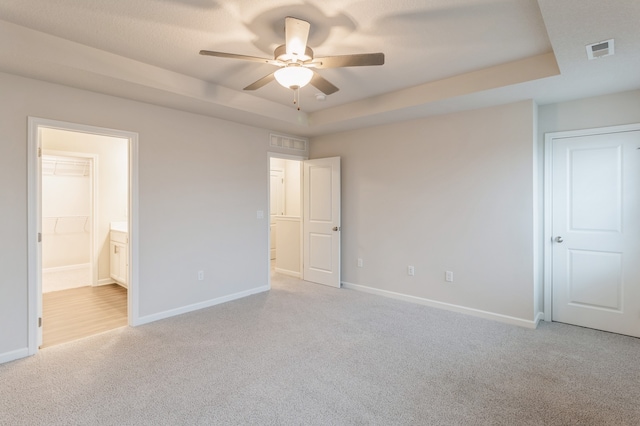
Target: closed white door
322,221
596,231
276,205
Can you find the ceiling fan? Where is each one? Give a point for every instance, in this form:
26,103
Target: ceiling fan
297,63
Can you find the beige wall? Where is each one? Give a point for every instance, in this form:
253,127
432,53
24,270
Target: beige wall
453,192
292,170
201,181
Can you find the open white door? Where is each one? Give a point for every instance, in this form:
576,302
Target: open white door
322,221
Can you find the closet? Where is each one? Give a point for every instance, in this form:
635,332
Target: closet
66,222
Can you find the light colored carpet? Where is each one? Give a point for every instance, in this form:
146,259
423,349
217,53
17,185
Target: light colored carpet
308,354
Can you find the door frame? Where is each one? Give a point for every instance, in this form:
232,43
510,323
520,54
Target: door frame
271,155
34,212
548,203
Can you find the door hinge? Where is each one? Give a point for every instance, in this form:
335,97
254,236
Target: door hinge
39,321
39,152
39,237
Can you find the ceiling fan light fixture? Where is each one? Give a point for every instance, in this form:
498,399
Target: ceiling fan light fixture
293,77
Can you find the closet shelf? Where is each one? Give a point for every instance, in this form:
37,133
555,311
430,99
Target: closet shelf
52,166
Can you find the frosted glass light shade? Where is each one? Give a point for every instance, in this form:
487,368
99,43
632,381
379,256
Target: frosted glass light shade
293,77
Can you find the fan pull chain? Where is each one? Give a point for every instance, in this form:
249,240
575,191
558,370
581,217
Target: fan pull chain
296,97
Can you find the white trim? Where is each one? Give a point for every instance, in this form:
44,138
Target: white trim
133,287
274,154
34,271
13,355
539,317
288,272
67,267
442,305
200,305
548,201
106,281
33,214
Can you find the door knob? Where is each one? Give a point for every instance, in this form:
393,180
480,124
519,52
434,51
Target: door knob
559,240
336,228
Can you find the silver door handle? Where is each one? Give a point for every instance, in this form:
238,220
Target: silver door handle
336,228
559,240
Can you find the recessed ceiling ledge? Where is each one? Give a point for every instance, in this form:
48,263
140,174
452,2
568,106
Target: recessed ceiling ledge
510,73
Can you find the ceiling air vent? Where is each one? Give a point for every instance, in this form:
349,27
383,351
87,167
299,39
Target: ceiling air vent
288,142
600,49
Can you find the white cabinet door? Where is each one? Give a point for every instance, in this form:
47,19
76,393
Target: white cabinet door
114,259
596,231
119,269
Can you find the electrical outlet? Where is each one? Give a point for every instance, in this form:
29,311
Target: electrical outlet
200,275
411,271
260,214
448,276
360,263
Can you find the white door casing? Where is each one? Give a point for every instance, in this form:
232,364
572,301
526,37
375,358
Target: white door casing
321,225
276,205
35,224
595,228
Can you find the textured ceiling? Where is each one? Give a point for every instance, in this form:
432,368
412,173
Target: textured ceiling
441,55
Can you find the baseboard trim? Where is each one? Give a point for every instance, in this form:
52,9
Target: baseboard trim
66,268
196,306
105,281
539,317
13,355
442,305
288,272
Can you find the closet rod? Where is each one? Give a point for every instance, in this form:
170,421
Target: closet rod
57,219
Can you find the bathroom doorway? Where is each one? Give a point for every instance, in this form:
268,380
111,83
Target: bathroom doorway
81,194
84,183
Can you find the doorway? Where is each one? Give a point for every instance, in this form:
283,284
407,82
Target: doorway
305,242
592,228
82,195
285,219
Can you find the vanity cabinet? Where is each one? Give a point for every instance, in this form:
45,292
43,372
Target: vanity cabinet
119,257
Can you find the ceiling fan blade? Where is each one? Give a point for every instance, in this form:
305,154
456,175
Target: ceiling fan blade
358,60
241,57
262,82
322,84
296,33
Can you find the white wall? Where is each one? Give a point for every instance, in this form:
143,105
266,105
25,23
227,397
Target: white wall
112,177
453,192
201,181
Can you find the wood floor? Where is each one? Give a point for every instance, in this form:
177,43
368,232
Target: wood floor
81,312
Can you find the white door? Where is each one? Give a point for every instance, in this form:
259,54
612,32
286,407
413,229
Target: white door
596,231
276,205
321,210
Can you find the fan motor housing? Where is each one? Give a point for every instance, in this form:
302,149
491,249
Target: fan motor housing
280,54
